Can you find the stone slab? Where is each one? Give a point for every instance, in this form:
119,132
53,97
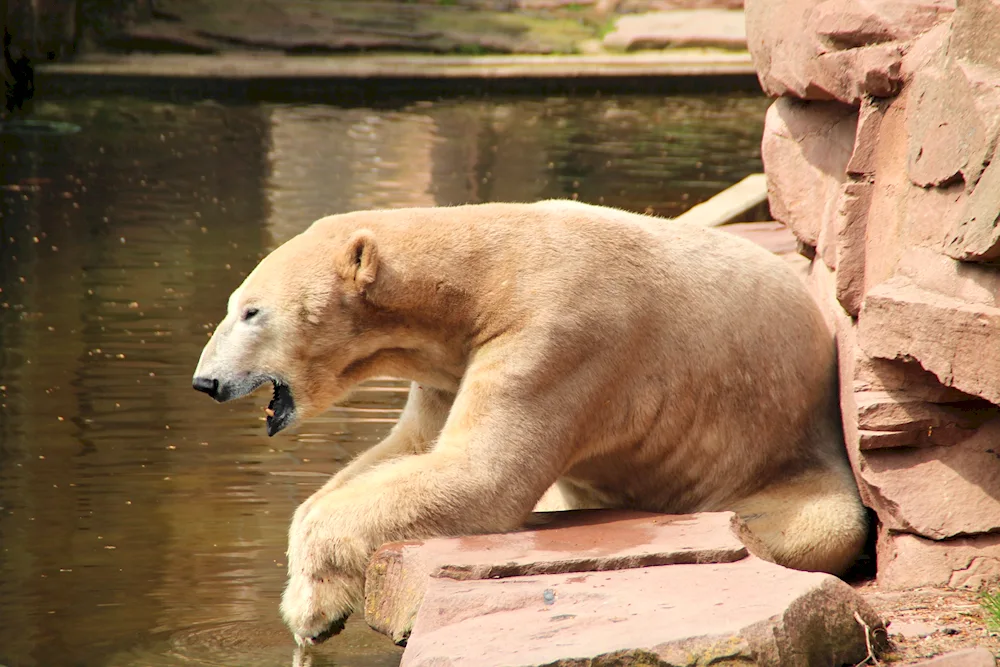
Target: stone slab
897,376
938,492
908,561
678,28
899,411
944,437
972,657
947,336
573,541
747,612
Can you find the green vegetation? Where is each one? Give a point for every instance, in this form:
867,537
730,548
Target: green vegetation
991,608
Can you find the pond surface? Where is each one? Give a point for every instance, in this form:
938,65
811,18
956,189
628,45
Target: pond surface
143,524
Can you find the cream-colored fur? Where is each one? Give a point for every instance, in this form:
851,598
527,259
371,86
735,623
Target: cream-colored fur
640,363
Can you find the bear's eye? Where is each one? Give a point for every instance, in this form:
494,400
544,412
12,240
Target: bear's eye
249,313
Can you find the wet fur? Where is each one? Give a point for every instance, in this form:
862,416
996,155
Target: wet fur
622,360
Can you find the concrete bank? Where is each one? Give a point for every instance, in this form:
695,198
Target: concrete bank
274,75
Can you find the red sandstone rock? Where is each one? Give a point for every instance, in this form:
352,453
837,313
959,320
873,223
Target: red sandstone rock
805,150
976,237
938,492
869,121
872,374
909,561
898,411
947,140
887,215
974,33
920,191
971,657
849,245
947,436
835,50
866,71
947,336
934,272
852,24
576,541
895,406
749,611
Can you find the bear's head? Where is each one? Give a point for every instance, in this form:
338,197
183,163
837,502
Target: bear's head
297,321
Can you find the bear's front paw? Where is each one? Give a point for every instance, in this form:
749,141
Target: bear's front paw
316,608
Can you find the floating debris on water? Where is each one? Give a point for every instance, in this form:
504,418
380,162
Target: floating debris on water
38,127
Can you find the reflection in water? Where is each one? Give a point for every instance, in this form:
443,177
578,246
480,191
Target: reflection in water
142,524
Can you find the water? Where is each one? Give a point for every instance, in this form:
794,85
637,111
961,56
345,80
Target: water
141,523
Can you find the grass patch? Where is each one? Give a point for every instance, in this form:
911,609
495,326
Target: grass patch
990,603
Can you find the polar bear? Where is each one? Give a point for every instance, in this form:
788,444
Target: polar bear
623,360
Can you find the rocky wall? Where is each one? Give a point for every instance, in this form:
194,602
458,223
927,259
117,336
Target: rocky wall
882,152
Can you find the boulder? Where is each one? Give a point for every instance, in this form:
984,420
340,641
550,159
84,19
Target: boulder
909,561
849,244
929,270
746,612
806,147
573,541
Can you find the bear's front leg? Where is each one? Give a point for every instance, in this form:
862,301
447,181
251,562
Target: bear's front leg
492,461
443,492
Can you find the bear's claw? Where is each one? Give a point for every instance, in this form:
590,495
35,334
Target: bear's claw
334,629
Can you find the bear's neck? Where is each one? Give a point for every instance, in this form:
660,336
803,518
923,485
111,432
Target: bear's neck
431,311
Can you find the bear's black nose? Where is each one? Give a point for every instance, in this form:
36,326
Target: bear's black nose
208,385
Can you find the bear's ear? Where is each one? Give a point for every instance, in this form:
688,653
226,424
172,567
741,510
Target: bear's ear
358,260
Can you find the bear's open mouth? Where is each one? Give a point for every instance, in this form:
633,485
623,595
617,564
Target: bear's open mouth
281,409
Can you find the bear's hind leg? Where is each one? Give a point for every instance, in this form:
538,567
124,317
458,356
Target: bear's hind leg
813,522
